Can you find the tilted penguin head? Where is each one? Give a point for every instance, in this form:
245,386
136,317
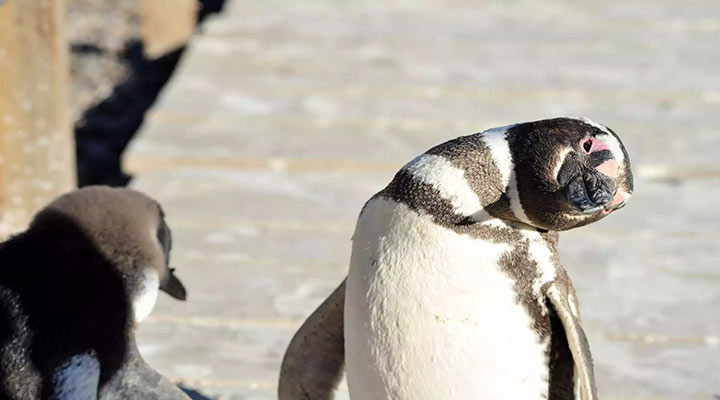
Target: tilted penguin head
129,229
554,174
569,172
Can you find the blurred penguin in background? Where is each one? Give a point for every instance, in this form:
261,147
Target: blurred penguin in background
73,288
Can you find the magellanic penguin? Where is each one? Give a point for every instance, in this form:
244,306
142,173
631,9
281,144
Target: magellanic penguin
455,288
72,288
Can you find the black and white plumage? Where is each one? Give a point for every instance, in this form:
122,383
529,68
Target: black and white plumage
72,289
455,288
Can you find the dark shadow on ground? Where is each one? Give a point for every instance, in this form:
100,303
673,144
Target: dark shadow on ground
104,131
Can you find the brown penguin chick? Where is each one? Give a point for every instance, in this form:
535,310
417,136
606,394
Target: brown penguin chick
72,289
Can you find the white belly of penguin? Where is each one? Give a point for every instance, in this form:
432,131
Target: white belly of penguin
430,315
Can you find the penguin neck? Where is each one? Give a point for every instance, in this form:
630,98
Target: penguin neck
144,294
137,379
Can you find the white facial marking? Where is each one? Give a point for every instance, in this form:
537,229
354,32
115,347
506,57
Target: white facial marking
448,180
614,145
595,124
78,378
539,252
144,301
609,139
561,159
429,314
496,141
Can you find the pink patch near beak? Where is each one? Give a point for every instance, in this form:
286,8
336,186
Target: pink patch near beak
618,199
609,168
591,145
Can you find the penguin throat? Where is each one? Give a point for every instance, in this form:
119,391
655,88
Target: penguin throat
146,295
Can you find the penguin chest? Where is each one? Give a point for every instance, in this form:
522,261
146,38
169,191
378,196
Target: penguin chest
429,314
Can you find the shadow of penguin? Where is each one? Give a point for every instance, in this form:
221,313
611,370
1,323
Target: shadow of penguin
104,130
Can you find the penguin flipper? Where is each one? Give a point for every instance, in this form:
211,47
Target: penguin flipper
313,363
577,341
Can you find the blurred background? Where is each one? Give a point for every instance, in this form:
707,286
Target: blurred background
277,120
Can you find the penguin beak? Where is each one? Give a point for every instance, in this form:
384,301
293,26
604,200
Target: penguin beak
173,286
587,188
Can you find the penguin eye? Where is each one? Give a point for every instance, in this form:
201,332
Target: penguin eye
164,236
161,233
587,145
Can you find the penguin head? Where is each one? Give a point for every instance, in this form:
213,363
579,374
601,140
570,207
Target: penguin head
129,229
569,172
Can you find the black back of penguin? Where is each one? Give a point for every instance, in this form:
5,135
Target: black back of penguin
67,286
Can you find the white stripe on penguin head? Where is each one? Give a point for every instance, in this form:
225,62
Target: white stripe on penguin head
447,179
496,140
561,160
594,124
614,145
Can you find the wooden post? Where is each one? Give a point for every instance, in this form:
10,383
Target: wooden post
37,160
167,25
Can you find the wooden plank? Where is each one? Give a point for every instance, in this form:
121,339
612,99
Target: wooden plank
167,25
37,160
